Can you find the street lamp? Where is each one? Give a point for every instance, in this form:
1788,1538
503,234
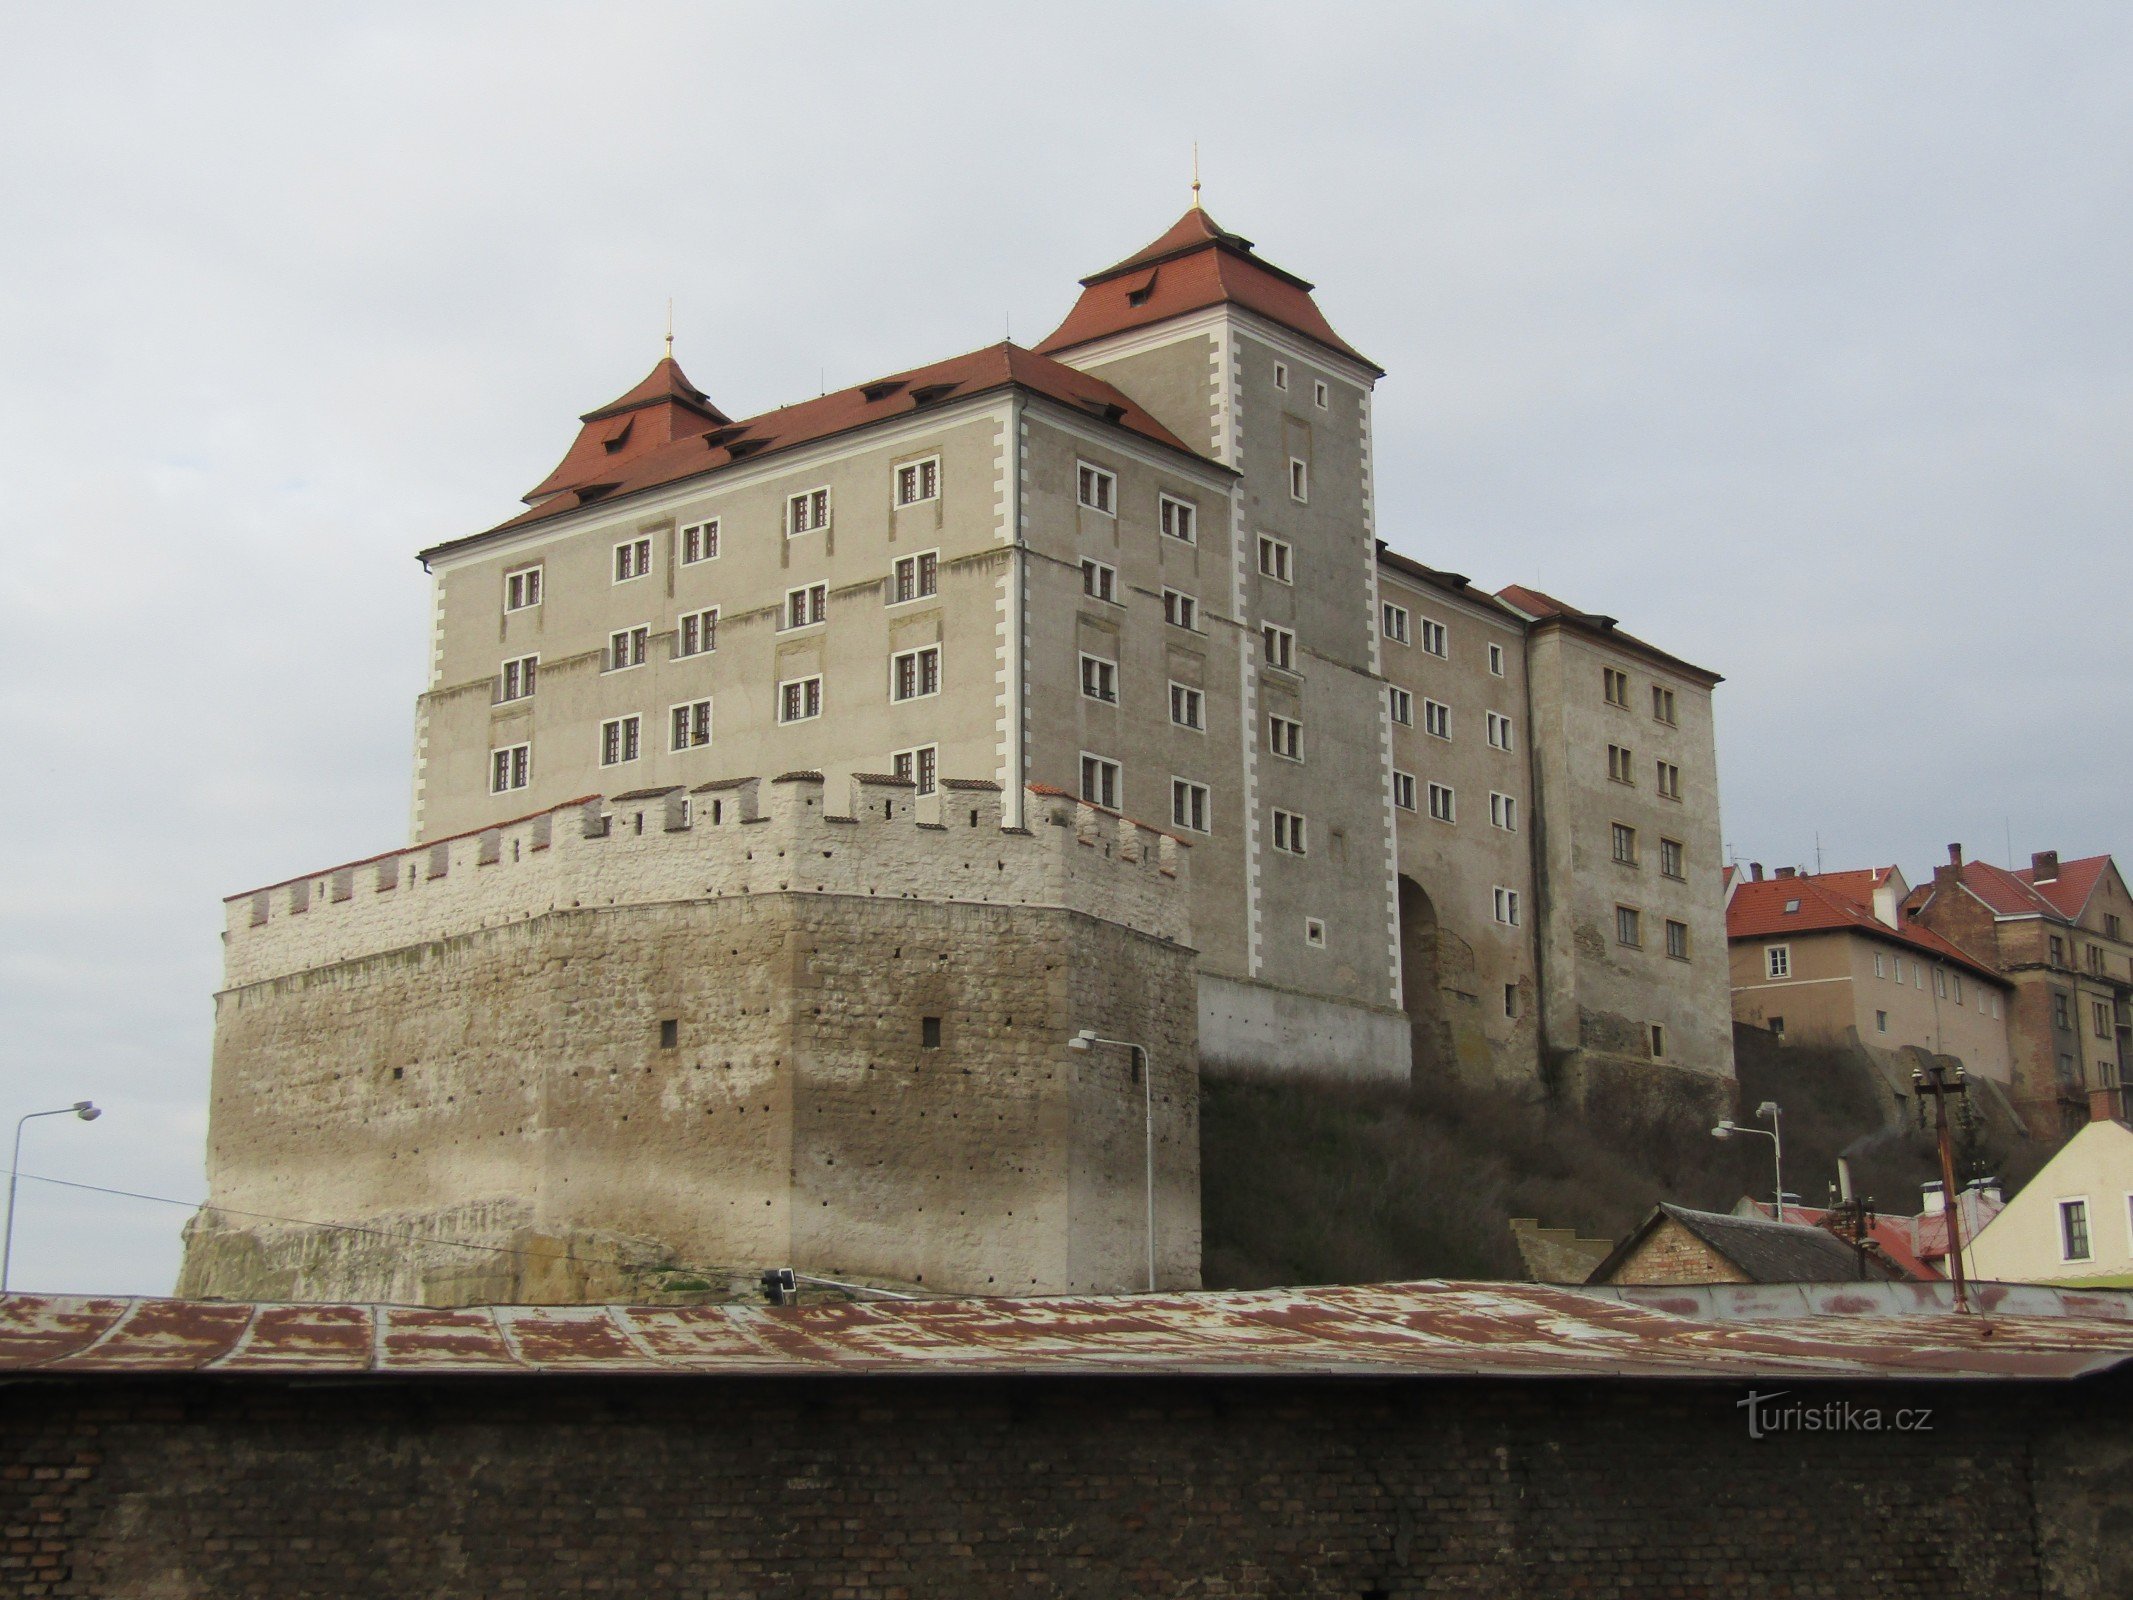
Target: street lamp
1087,1039
1727,1128
82,1109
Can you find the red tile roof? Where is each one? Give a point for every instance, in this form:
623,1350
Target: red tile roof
2013,894
1827,904
2068,893
599,468
1543,607
1890,1235
1194,265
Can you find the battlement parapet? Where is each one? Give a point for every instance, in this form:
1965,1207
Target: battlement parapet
738,836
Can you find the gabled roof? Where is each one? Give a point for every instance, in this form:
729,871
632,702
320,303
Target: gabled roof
594,472
1457,584
1545,608
1890,1235
1768,1252
2068,893
1195,264
1830,902
2011,894
664,407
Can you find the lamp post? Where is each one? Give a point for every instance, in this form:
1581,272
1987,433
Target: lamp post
1087,1039
82,1109
1727,1128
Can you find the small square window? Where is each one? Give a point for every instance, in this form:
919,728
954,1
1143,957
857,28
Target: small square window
633,559
1401,704
1181,610
1314,930
915,577
522,589
1284,736
628,648
1629,926
1614,686
1276,559
1670,859
1187,707
1180,519
929,1033
698,633
1100,782
1099,679
515,681
1289,832
1499,730
699,542
1669,781
669,1033
1619,768
1403,790
915,674
1099,581
1503,812
1436,719
1625,844
1189,804
1434,639
1442,802
918,481
1677,940
804,607
1777,961
1280,646
800,699
689,726
1507,907
1393,622
807,513
920,767
1663,705
510,767
1096,489
618,741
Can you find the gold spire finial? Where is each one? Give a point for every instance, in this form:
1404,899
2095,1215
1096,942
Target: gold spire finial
1196,174
670,327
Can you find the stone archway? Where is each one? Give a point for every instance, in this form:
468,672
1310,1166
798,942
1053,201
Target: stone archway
1422,981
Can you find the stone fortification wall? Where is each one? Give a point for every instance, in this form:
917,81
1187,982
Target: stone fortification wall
618,1058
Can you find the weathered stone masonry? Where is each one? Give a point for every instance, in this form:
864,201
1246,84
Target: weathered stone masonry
621,1045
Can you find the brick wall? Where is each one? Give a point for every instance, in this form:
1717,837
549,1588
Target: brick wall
900,1489
1672,1254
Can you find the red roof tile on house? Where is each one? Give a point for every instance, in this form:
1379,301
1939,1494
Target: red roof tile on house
2068,893
2011,894
1195,264
1542,607
599,468
1828,903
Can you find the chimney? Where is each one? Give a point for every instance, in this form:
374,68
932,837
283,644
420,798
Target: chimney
1755,871
1936,1200
1987,1190
1955,855
1787,872
2103,1105
1844,1179
2043,866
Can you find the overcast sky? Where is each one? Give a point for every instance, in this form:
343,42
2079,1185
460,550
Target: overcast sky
1794,336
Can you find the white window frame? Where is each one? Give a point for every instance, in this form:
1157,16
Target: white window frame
632,558
1437,720
1315,932
1184,696
804,714
921,765
2088,1228
917,657
1392,622
1100,482
513,764
809,511
1278,646
1290,832
1503,811
1502,736
1434,640
1403,790
1777,961
706,626
1321,394
1103,678
629,648
625,735
1281,375
1284,737
1277,559
526,580
917,471
1167,516
698,714
1443,803
1181,610
1506,906
814,607
924,567
1399,705
1300,480
1496,661
1107,772
526,670
1106,579
1189,800
701,537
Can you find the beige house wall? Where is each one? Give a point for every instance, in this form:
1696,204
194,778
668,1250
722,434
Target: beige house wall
2025,1242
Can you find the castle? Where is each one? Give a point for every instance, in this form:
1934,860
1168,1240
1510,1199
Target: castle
1135,572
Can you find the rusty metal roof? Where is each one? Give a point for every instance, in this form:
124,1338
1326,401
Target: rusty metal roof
1431,1329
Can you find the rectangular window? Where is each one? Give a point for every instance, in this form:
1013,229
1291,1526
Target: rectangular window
1625,844
1281,374
515,682
1677,939
1881,1022
1299,479
1320,394
2074,1229
699,542
1289,832
1670,862
633,559
2095,955
1099,782
1880,965
1614,686
1435,640
1441,803
1496,660
1499,730
1179,519
1188,804
1181,610
1503,812
1314,929
2111,927
1280,647
1658,1040
1436,719
1099,581
915,577
807,606
1899,969
2058,951
917,481
628,648
920,768
1507,907
2101,1016
1099,679
1777,960
1401,704
1394,622
1284,736
510,767
618,741
1663,705
915,674
1510,999
522,588
1403,790
1187,706
698,633
1276,559
1619,767
800,699
808,512
1629,925
689,725
1669,777
1096,488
